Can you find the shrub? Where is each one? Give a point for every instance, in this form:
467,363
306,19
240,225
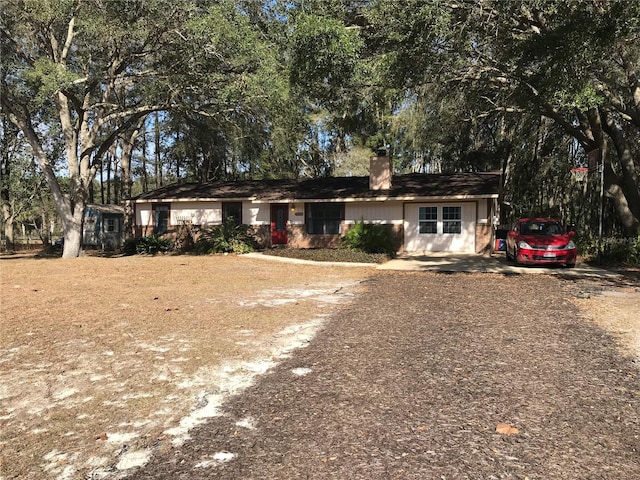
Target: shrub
614,250
226,238
147,245
184,238
634,251
369,238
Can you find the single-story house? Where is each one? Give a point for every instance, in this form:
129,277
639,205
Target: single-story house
103,226
425,212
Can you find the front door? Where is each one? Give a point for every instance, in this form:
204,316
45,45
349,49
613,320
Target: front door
279,214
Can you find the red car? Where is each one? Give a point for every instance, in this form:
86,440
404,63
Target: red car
541,241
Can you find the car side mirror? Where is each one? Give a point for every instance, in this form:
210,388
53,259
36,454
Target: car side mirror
512,233
571,233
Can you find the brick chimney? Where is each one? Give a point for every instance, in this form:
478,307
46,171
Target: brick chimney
380,171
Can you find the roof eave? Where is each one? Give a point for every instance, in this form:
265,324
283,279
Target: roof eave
388,198
385,198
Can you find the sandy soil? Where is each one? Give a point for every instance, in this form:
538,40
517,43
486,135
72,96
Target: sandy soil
106,360
105,363
434,376
613,305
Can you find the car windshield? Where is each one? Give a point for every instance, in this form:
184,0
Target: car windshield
541,228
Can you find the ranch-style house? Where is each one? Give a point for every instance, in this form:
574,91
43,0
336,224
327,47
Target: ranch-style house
425,212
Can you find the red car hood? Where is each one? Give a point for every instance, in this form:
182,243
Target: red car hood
546,240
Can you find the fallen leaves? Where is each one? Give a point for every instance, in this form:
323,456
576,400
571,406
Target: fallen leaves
506,429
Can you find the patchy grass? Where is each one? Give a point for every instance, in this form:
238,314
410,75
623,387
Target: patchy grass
329,255
104,360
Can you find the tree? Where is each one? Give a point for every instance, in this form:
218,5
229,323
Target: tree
10,143
576,63
26,201
322,45
93,69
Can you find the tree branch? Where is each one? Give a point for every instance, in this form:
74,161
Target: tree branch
69,39
18,49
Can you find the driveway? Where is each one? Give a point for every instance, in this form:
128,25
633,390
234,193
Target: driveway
474,263
428,375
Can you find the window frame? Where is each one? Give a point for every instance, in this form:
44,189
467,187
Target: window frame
452,222
236,207
325,216
158,227
111,225
428,220
447,220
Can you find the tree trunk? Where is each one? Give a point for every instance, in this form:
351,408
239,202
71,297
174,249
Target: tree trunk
72,222
5,195
157,165
9,235
145,180
101,185
43,230
67,210
178,156
7,212
127,182
623,189
110,161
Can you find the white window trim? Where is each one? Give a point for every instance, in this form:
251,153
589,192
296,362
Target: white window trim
440,220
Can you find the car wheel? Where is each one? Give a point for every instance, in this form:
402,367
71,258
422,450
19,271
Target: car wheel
509,257
515,256
570,265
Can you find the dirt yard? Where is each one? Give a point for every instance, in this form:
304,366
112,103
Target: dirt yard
105,363
104,360
612,304
433,376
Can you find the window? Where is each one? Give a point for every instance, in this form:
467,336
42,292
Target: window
541,228
324,218
232,211
280,218
452,220
111,224
428,219
160,219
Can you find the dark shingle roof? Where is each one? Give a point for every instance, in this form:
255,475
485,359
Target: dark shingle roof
106,208
341,188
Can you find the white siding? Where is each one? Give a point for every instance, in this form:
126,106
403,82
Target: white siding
198,213
296,214
463,242
256,213
373,212
144,215
203,213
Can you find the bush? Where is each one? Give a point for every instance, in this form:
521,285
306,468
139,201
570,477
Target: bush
147,245
614,250
634,251
184,238
369,238
226,238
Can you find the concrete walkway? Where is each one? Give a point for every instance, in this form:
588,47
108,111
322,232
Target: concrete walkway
455,262
474,263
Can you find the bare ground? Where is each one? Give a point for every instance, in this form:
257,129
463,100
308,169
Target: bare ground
108,369
105,361
439,376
